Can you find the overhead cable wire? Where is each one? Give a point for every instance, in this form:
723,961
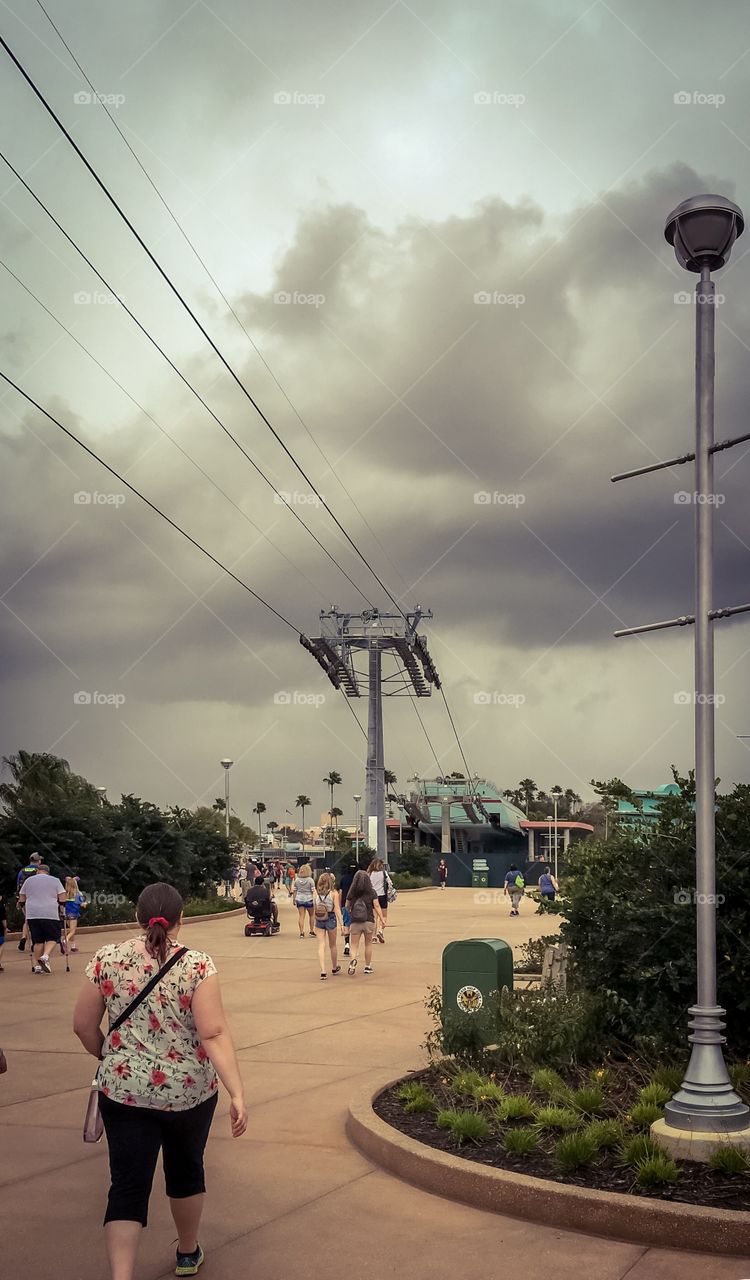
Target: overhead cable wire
179,373
160,428
186,306
331,466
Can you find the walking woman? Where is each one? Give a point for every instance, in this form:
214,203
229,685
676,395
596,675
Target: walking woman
328,921
304,891
379,877
158,1075
442,873
363,904
73,905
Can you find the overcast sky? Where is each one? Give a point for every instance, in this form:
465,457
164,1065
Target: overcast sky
442,227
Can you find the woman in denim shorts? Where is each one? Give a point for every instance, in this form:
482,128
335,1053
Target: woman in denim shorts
328,921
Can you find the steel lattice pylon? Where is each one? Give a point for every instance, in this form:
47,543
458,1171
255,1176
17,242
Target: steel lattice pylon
343,637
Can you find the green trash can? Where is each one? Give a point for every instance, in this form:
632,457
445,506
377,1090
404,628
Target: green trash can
472,969
479,879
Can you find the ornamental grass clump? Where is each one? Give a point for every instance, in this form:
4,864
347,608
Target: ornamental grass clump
656,1093
604,1133
635,1150
670,1076
489,1091
656,1171
466,1126
552,1085
417,1098
558,1118
729,1159
466,1083
590,1100
518,1106
643,1114
521,1142
573,1151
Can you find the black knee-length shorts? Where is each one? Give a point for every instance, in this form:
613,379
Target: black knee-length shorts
135,1136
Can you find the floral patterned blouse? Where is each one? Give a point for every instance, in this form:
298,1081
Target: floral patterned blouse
155,1059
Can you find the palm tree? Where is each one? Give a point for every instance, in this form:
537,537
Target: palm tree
260,809
332,780
527,788
336,814
302,802
389,778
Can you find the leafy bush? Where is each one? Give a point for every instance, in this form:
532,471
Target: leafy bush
463,1036
466,1126
209,906
548,1028
557,1118
521,1142
403,880
517,1106
656,1171
729,1159
574,1150
631,930
531,953
414,861
590,1099
645,1113
604,1133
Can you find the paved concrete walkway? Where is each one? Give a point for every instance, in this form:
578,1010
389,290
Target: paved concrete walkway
292,1197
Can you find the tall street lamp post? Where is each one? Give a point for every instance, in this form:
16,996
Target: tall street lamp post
702,231
226,766
357,800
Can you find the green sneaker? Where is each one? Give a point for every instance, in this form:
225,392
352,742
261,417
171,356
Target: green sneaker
188,1263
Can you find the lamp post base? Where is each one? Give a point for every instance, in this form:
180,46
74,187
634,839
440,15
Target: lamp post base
684,1144
706,1102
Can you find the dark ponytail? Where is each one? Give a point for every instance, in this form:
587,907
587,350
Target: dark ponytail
158,910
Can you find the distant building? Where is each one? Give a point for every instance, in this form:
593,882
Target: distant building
645,812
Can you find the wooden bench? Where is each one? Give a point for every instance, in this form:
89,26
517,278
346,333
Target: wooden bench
554,971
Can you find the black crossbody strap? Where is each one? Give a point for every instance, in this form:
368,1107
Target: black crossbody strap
181,951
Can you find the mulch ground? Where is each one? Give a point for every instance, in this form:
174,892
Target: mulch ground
698,1184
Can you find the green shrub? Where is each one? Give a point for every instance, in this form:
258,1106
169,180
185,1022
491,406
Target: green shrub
671,1077
490,1091
548,1028
635,1150
209,906
466,1126
604,1133
739,1074
656,1093
644,1114
729,1159
517,1106
521,1142
415,862
403,880
551,1084
573,1151
557,1118
417,1098
466,1083
600,1077
656,1171
531,953
463,1036
590,1100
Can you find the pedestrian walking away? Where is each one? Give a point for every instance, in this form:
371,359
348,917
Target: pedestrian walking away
378,873
157,1078
443,873
364,909
514,888
303,892
3,929
41,897
29,870
73,905
328,921
346,882
548,886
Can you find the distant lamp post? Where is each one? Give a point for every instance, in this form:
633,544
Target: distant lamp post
357,800
226,766
102,794
552,823
702,231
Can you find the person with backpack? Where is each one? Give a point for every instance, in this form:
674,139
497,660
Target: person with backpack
514,888
363,905
381,883
548,886
328,921
159,1067
303,892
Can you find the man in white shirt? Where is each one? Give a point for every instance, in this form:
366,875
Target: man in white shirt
41,896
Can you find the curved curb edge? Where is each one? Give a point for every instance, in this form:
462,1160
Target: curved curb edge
602,1213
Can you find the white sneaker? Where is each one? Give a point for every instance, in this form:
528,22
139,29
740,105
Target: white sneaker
37,968
45,965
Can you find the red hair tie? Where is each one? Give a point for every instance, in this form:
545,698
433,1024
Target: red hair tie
158,920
